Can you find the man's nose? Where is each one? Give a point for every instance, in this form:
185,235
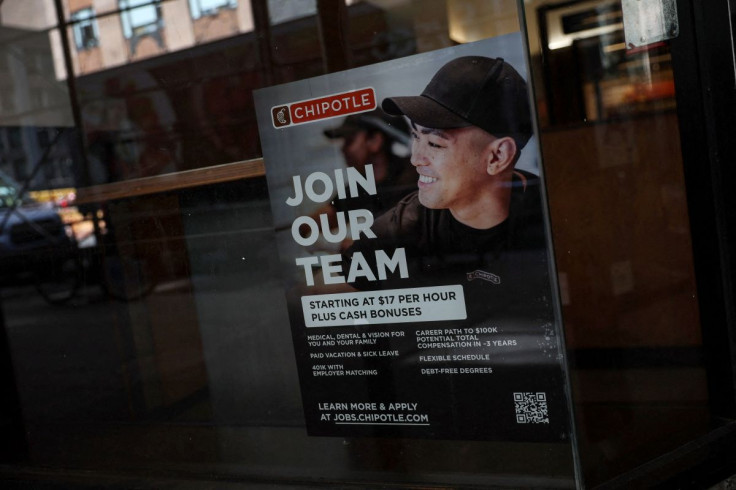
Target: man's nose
417,156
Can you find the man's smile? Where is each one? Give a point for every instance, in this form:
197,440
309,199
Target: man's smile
425,179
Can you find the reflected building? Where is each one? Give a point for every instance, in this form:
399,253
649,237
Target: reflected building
166,86
109,33
124,108
34,104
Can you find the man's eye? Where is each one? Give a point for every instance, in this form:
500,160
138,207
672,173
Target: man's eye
434,145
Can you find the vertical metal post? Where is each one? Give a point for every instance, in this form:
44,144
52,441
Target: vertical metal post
73,99
262,30
333,30
706,105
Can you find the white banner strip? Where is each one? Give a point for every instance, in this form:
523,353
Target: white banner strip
391,306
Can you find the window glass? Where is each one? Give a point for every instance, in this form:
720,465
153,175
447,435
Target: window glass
143,307
614,168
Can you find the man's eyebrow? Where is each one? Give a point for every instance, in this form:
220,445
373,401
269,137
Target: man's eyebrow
436,132
433,131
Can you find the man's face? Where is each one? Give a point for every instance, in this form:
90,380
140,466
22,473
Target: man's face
355,149
450,164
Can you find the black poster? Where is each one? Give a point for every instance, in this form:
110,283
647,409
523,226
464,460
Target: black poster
414,248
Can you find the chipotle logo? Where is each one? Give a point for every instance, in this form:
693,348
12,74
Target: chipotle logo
281,116
327,107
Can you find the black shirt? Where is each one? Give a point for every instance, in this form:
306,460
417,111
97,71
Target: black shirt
503,270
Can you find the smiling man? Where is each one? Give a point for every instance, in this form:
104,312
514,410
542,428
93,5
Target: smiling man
469,126
464,170
475,219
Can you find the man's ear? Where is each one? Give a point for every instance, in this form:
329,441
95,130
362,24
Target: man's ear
375,142
501,155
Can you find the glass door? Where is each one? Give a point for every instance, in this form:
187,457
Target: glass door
147,331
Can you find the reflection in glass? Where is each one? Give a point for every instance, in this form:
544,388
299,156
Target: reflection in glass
139,17
173,349
86,34
209,7
614,169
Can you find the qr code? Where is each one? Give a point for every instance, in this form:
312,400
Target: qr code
531,408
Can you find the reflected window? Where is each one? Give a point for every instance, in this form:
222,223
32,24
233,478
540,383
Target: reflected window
84,26
201,8
140,17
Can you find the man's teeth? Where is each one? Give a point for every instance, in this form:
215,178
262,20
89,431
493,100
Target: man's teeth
426,180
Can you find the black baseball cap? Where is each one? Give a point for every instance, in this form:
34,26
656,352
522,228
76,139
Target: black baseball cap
393,127
471,91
